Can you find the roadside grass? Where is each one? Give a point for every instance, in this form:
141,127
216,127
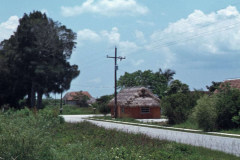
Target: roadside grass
73,110
27,135
186,125
191,125
233,131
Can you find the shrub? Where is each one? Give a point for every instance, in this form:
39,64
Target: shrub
177,107
104,109
205,113
228,108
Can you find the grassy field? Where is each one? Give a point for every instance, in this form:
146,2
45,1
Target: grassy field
73,110
27,135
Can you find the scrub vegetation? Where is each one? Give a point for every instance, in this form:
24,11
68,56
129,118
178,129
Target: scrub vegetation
31,135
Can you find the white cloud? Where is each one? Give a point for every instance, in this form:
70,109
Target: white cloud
106,8
113,36
126,47
87,34
7,28
214,33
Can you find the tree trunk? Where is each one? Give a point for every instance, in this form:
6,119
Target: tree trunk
33,96
28,103
61,108
39,99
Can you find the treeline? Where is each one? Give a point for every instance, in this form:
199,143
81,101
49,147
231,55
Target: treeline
210,110
34,61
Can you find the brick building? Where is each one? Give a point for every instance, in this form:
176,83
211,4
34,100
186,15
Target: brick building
139,103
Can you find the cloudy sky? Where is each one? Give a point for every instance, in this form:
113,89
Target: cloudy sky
198,39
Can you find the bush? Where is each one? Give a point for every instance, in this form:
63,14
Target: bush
104,109
228,108
177,107
205,113
219,111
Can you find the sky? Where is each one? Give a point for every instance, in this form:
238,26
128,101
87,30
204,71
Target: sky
199,40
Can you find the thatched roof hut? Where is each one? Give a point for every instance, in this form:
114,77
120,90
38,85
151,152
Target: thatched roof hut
140,98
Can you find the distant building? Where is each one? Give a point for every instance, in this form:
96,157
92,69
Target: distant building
70,98
139,103
233,83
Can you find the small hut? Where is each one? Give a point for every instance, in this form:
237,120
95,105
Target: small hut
139,103
72,98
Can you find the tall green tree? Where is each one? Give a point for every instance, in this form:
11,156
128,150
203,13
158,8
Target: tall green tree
177,86
157,82
38,53
213,87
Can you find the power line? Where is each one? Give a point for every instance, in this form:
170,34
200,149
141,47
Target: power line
170,43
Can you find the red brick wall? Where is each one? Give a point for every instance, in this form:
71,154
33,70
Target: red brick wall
135,112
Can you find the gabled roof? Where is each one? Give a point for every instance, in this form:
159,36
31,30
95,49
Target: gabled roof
136,97
69,96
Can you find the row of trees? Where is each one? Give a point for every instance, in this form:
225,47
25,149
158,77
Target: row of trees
156,81
34,60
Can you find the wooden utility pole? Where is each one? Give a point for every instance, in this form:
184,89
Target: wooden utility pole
115,79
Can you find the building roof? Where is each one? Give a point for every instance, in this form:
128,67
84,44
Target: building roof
69,96
136,97
233,83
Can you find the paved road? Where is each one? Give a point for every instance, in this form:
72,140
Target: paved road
224,144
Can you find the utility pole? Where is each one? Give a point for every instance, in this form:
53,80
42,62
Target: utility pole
115,79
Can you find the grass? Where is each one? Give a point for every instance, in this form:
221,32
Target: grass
27,135
232,131
117,119
73,110
187,124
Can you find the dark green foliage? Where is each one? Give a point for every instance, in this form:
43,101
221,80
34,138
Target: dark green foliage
213,87
228,108
27,135
104,99
219,111
35,60
236,119
177,107
177,86
205,113
81,99
102,104
157,81
104,109
179,102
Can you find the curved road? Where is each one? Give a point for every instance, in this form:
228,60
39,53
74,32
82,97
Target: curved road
224,144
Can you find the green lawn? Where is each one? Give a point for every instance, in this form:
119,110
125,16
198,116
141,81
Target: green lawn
30,136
